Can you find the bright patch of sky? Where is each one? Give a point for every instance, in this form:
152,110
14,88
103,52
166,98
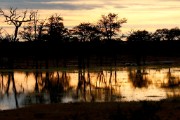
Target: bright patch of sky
141,14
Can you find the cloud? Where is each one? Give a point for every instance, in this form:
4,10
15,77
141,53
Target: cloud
50,4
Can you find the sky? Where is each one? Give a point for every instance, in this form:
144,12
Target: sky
140,14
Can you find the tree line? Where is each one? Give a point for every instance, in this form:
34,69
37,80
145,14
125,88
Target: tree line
50,38
52,29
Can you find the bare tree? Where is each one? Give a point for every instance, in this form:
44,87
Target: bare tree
34,30
13,18
35,20
27,33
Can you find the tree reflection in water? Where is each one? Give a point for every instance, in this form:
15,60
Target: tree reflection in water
173,83
84,81
138,77
81,86
38,96
87,84
106,84
11,79
56,85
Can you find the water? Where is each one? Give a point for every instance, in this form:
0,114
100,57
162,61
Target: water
23,87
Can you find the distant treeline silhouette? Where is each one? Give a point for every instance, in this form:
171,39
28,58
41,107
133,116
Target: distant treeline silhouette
49,38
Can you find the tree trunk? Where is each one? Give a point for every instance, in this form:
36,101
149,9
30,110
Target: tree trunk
15,33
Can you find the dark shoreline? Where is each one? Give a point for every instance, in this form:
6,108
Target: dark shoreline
98,111
103,48
89,53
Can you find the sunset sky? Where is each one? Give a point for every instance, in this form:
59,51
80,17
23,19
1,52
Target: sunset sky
141,14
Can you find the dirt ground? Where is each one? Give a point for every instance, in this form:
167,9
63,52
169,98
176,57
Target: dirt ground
163,110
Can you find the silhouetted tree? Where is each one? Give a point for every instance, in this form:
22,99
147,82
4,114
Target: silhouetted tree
4,36
139,49
55,28
34,31
1,36
109,25
160,35
35,21
139,36
87,32
174,34
41,30
166,34
14,18
29,31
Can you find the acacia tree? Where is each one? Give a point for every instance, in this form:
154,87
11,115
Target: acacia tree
51,29
55,28
139,36
160,35
87,32
110,25
140,49
174,34
13,18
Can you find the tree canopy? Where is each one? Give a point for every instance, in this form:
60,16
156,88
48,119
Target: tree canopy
52,29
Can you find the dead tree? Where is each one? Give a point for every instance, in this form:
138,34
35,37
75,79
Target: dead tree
13,18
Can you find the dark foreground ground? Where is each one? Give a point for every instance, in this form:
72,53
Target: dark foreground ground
163,110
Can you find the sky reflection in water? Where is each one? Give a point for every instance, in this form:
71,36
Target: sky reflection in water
19,88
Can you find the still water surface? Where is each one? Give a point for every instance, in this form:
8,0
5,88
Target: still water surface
24,87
